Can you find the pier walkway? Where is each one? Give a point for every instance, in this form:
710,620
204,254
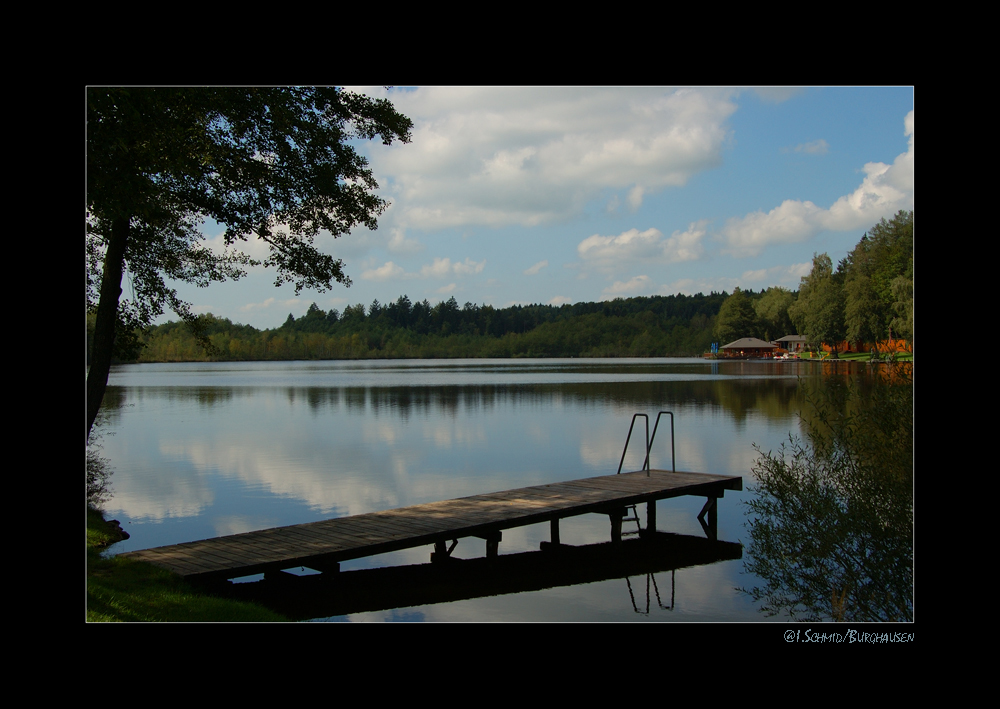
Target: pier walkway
323,545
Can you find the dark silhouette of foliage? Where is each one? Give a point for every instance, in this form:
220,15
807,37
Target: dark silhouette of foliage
638,327
737,318
274,164
879,282
98,469
831,522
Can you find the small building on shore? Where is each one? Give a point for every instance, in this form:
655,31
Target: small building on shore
748,347
792,343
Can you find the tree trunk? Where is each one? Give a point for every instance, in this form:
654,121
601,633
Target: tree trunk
107,316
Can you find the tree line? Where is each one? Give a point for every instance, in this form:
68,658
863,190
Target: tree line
867,299
676,325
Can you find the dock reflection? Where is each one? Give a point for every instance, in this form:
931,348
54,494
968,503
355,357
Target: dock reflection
382,589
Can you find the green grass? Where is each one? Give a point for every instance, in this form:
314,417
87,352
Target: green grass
865,356
119,590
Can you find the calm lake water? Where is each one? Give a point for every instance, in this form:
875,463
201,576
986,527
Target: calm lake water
208,449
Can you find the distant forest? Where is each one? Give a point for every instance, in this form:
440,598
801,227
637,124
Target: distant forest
637,327
868,296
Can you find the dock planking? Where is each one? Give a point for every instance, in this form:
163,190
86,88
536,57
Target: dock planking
322,545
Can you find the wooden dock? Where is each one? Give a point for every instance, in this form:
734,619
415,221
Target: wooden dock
323,545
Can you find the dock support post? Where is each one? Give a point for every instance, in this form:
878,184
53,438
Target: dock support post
493,545
616,516
442,552
651,517
554,531
712,508
329,570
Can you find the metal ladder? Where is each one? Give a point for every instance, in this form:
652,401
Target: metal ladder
645,464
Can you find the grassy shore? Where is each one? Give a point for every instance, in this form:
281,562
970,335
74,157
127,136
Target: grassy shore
865,356
843,357
852,357
119,590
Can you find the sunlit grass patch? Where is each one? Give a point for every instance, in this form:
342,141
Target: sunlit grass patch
120,590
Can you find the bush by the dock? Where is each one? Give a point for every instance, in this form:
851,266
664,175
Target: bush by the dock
122,590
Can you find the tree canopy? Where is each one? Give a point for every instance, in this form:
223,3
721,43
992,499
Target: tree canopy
772,313
870,295
657,326
819,311
831,521
737,318
879,282
274,164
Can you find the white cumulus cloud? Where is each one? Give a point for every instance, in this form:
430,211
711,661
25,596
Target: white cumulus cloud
469,267
635,197
884,190
501,156
634,245
638,285
386,272
444,266
686,245
400,244
440,268
790,222
629,245
257,306
816,147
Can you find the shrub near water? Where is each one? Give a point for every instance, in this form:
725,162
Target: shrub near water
831,526
99,470
123,590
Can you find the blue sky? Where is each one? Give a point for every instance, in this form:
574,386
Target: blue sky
558,195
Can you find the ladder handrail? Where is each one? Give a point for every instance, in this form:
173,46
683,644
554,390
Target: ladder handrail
625,450
649,441
673,461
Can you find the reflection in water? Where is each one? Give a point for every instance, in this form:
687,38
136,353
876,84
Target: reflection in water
831,528
367,590
206,449
771,397
651,580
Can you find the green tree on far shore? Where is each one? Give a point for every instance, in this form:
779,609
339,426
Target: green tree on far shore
772,313
818,313
902,291
878,287
737,318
